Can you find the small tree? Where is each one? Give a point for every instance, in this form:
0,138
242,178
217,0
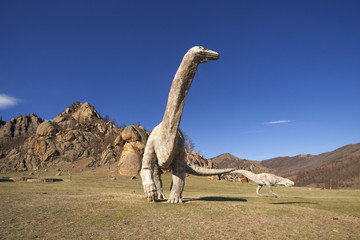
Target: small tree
1,121
189,144
107,118
75,105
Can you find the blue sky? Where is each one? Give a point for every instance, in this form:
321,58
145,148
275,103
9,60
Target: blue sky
287,81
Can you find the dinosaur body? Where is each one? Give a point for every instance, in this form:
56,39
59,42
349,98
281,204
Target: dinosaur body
267,179
165,146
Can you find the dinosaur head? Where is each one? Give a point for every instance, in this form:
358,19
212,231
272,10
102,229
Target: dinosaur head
287,183
202,55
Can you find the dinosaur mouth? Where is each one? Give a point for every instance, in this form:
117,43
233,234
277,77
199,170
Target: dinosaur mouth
211,55
208,55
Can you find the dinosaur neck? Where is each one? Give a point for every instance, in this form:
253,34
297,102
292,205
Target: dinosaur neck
178,93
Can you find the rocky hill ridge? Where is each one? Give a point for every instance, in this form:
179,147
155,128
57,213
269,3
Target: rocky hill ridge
79,133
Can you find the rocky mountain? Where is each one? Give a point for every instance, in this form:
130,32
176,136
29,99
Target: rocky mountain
79,133
28,142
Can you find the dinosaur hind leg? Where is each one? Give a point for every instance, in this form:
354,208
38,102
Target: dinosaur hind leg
158,182
178,178
258,190
271,191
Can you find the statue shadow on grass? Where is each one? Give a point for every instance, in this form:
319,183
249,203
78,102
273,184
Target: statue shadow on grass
284,203
215,199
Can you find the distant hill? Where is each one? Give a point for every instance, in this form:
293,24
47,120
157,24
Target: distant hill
227,160
336,169
287,166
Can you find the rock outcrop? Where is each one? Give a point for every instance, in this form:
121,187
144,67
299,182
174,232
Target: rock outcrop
131,157
79,133
46,130
198,159
20,126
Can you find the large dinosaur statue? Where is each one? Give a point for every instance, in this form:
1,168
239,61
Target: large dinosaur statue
165,146
267,179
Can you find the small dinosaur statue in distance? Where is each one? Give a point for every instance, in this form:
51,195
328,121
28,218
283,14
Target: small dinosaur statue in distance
267,179
165,146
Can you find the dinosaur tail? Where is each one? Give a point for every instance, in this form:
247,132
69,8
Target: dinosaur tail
200,171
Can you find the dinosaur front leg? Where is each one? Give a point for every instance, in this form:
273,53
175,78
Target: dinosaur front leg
146,174
258,190
178,178
271,191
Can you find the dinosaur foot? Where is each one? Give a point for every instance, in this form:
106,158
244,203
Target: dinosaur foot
174,199
151,192
152,199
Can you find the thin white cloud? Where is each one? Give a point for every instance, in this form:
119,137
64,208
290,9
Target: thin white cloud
277,122
7,101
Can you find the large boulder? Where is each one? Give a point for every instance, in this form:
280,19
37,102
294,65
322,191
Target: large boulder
130,160
44,149
46,130
131,157
131,134
198,159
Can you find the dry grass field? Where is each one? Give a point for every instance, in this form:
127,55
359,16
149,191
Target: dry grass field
89,205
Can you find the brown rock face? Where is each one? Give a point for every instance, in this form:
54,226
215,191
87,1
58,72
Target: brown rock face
46,130
130,161
86,113
27,142
198,159
42,149
20,126
130,134
131,157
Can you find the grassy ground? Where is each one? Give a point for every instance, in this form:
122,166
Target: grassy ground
92,206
